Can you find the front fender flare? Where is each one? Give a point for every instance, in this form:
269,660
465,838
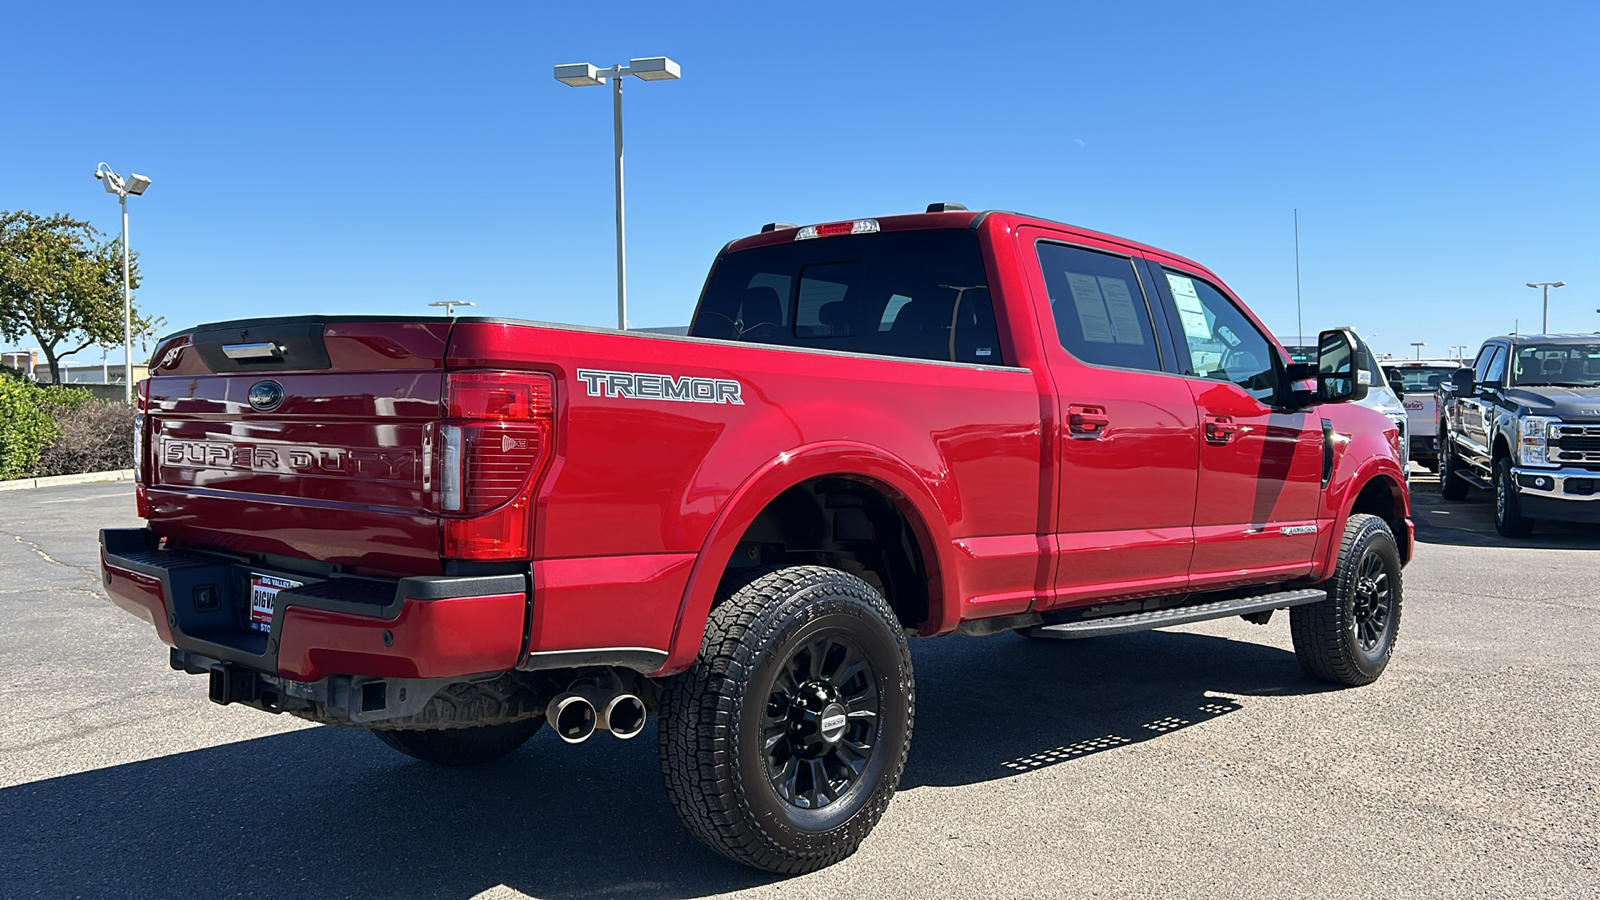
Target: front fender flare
1348,490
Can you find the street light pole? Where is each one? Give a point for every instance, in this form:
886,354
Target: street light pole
652,68
622,252
136,184
1419,345
1547,285
127,308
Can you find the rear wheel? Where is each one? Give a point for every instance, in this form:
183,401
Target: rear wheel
1508,517
1348,638
783,743
1451,487
461,746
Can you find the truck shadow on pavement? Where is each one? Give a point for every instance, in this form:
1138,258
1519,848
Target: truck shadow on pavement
330,812
1470,523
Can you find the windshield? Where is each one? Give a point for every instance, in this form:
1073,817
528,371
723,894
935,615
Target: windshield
1423,379
1570,365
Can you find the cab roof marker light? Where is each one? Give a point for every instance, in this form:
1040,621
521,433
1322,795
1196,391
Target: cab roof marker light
859,226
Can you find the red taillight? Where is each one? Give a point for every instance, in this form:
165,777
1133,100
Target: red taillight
496,444
141,444
499,395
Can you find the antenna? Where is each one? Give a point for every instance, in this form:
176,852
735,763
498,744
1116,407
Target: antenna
1299,321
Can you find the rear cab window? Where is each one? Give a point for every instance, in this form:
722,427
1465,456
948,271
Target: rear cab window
910,294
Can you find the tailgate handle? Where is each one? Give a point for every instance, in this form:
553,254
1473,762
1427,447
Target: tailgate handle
256,351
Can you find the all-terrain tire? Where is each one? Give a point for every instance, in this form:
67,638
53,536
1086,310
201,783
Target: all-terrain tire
1508,517
735,737
1451,487
461,746
1348,638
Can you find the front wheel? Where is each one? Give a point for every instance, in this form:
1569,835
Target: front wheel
1348,638
783,743
1508,517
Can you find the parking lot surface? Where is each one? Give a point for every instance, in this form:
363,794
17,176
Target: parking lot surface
1191,762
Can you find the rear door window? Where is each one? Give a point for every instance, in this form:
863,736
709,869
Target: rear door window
915,294
1100,311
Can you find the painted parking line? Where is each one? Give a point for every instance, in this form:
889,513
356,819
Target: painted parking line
85,499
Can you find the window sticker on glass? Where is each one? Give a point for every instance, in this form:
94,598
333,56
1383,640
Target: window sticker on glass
1190,311
1091,308
1124,315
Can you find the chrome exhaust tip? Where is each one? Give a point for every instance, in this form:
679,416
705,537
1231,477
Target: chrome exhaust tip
572,716
623,715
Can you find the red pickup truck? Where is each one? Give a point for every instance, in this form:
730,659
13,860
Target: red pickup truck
450,532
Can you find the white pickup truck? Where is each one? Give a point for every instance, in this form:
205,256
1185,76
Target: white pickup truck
1420,379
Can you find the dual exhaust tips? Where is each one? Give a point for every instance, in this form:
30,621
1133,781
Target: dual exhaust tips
579,713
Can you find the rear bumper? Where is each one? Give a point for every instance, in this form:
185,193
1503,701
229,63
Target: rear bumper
418,627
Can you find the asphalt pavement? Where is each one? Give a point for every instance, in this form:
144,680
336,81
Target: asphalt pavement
1190,762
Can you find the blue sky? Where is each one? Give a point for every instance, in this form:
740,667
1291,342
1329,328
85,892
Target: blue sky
370,158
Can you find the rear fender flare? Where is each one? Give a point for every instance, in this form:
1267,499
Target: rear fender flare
903,485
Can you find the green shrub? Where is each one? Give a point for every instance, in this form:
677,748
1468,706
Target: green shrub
62,397
26,427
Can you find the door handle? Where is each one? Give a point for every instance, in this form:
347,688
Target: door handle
1220,429
1086,423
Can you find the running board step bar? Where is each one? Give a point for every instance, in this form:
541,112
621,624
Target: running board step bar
1176,615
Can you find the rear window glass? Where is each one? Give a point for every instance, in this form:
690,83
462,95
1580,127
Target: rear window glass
1423,379
916,294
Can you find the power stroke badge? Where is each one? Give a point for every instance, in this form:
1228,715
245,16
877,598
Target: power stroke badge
652,386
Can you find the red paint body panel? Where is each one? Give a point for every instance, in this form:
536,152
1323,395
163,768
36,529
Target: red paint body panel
608,601
645,500
431,639
139,594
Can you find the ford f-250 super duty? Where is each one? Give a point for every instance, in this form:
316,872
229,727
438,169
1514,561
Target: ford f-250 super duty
1524,423
450,532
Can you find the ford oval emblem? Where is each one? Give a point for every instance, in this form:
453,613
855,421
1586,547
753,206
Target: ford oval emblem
266,395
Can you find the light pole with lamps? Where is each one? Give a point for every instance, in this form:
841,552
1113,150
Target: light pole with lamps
652,68
135,185
1547,285
1419,345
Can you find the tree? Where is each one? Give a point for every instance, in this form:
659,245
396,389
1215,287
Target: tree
62,286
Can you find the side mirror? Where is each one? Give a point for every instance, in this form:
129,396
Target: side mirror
1461,381
1343,371
1398,385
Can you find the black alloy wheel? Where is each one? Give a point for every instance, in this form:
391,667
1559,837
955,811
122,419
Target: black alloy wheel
1371,602
821,721
1349,638
783,743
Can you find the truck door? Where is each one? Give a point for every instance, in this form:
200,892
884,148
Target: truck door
1127,439
1477,408
1260,465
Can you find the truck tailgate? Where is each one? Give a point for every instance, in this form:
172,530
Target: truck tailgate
331,459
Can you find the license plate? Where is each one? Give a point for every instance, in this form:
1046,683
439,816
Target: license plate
263,595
